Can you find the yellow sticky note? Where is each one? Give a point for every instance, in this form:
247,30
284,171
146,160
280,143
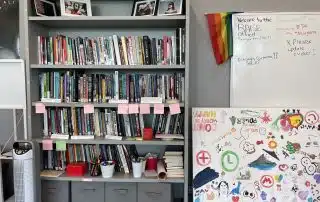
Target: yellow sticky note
61,146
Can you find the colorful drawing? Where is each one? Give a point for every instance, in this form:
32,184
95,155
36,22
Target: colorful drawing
266,155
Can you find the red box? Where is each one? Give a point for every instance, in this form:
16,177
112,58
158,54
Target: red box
77,169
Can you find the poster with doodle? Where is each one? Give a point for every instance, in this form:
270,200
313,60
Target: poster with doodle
268,155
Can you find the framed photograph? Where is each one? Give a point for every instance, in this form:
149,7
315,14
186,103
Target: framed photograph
170,7
144,8
45,8
75,8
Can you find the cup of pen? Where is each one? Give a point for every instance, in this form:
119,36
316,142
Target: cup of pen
137,168
107,169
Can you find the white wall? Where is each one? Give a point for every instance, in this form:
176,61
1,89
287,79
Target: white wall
9,28
209,84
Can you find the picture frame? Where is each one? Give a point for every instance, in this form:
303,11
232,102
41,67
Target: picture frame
75,8
170,7
144,8
45,8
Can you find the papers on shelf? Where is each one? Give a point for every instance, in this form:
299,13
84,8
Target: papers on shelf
169,136
51,173
59,136
113,137
82,137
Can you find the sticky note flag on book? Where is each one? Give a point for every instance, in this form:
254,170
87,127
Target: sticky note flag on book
123,108
175,108
47,145
158,109
133,109
61,146
88,109
144,109
40,108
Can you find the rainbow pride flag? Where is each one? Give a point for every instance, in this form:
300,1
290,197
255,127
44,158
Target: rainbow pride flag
220,30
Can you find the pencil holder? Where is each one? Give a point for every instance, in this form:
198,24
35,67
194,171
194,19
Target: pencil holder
147,134
137,169
95,169
107,169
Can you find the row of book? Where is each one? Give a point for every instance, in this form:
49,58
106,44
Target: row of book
72,86
120,154
174,163
103,122
112,50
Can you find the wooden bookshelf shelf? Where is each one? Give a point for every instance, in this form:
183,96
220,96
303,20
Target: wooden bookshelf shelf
97,105
110,67
111,21
117,177
128,141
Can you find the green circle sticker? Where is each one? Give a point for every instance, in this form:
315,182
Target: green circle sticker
229,161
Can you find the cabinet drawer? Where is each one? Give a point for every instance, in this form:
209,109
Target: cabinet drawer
53,191
87,191
120,192
150,192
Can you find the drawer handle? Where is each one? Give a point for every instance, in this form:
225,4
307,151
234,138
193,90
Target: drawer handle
121,191
87,189
52,190
153,195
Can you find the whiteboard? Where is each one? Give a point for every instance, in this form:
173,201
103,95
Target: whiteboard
256,154
276,60
12,84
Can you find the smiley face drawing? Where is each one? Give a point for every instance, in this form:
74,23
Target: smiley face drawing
311,117
309,167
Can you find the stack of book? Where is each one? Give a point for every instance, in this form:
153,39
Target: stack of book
174,163
112,50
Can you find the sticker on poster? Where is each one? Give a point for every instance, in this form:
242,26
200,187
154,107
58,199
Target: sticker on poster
203,158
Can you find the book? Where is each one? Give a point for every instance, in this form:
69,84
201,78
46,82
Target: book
54,162
72,86
74,123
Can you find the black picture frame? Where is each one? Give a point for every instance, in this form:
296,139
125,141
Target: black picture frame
155,8
45,8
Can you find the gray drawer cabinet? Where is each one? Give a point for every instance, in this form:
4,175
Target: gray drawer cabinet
120,192
87,191
53,191
151,192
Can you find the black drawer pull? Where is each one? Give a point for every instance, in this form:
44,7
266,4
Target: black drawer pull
88,189
153,195
52,190
121,191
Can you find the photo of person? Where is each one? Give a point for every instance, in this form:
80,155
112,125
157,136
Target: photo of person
170,7
76,8
144,8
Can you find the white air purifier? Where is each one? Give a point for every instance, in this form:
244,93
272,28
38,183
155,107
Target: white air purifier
26,177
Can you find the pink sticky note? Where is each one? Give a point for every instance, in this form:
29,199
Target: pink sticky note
144,109
47,145
123,108
174,108
133,109
88,109
40,108
158,109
